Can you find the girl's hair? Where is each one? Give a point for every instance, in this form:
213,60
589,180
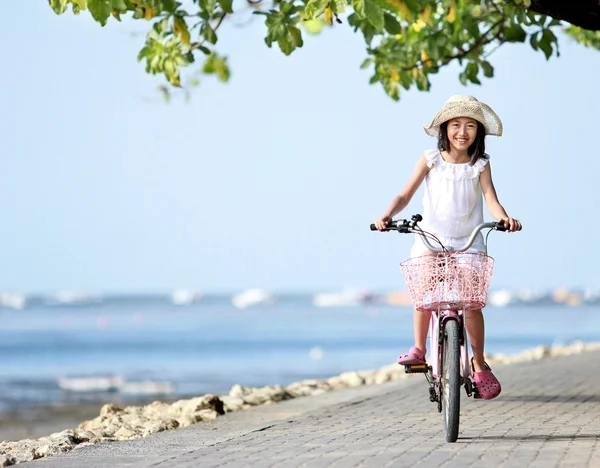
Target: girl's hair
476,150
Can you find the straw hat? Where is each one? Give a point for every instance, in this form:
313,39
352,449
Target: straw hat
463,105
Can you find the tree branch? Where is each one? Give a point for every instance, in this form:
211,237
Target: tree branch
199,44
463,53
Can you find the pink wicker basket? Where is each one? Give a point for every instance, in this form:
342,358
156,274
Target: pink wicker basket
443,281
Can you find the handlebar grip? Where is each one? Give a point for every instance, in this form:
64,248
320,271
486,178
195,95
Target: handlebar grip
373,228
501,227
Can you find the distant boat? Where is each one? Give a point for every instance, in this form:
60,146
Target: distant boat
591,296
91,384
147,388
185,297
13,301
114,384
72,298
500,298
252,297
346,298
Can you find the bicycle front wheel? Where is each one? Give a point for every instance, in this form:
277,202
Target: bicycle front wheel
450,381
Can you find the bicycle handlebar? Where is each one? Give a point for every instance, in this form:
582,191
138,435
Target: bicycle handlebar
405,226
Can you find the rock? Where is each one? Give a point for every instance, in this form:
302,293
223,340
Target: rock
238,391
308,387
351,379
7,460
21,451
263,395
125,433
76,436
300,390
84,444
110,409
193,405
232,403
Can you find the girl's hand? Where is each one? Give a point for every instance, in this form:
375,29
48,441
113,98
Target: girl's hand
511,224
382,222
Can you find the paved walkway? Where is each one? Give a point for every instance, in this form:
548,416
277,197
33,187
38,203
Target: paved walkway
548,415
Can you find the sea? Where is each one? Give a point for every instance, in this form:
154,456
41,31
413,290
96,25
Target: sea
210,345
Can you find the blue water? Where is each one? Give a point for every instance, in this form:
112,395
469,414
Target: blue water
209,347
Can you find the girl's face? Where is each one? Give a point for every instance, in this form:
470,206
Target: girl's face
462,132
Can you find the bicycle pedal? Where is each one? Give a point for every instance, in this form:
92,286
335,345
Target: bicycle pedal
416,368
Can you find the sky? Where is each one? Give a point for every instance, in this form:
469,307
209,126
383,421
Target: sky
271,180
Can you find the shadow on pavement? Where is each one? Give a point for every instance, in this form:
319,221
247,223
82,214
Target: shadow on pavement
553,398
532,437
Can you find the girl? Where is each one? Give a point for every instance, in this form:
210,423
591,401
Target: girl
456,176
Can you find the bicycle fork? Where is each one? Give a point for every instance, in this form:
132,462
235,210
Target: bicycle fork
432,372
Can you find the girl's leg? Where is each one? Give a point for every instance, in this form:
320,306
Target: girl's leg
476,331
421,326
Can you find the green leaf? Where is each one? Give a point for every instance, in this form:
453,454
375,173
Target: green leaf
359,8
406,79
217,65
374,14
161,26
138,13
471,71
368,31
545,43
208,33
59,6
315,8
533,40
82,4
515,33
339,6
392,90
208,5
366,63
204,50
117,4
226,5
462,77
488,70
473,28
584,37
287,8
100,10
286,44
422,82
145,52
392,25
547,49
296,35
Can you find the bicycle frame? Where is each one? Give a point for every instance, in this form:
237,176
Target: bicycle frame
436,330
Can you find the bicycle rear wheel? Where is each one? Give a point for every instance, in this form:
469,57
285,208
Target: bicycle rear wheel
450,380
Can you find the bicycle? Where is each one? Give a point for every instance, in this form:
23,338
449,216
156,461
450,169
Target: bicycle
447,285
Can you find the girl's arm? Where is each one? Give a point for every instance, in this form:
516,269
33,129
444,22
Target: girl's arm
491,200
403,198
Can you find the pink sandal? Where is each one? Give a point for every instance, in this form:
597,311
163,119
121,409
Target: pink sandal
486,383
414,356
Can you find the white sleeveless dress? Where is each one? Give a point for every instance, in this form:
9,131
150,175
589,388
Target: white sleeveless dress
452,204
